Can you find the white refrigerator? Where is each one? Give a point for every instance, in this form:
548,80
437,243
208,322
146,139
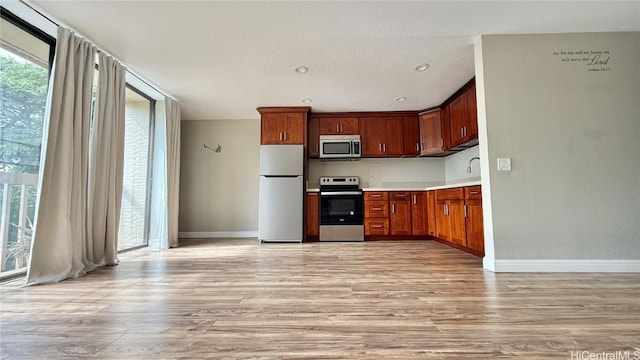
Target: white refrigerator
280,211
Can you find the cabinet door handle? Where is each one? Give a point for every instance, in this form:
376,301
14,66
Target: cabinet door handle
415,199
340,128
446,209
421,146
280,135
337,127
465,211
393,208
384,147
380,147
285,136
418,147
462,131
441,143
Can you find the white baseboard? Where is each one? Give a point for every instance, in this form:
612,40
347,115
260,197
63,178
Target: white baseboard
563,266
218,234
489,264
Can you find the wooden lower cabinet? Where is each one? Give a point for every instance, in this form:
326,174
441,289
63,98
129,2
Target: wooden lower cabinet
312,218
453,216
400,214
377,226
457,221
376,213
474,222
431,213
459,218
419,213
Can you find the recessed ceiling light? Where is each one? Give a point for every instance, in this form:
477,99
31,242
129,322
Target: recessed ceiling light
301,69
422,67
306,101
401,98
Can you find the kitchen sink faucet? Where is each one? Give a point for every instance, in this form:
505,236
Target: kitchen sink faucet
469,166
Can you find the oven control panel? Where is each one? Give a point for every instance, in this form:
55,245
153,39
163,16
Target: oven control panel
339,180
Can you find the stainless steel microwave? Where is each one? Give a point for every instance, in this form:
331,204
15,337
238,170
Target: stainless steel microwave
339,146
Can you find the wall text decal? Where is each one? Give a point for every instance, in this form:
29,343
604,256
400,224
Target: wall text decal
593,61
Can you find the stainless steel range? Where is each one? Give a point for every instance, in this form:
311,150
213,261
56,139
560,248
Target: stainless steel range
341,209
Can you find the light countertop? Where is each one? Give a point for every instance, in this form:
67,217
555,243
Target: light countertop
415,186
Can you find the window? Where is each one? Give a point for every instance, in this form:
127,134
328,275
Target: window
135,189
26,55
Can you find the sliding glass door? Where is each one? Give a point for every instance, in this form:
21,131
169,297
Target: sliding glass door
25,59
133,230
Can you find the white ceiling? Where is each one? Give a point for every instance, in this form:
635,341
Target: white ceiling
224,59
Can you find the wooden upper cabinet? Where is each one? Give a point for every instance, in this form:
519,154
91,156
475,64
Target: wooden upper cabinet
391,137
313,137
411,135
283,125
370,136
381,136
431,141
339,126
458,120
463,117
294,125
446,127
472,113
271,128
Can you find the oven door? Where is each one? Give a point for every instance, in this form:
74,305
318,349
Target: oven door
341,208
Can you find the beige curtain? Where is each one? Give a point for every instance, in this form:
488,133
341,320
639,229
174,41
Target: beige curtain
173,169
105,163
58,248
80,188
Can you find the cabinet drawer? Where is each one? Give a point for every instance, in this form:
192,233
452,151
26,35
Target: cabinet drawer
376,209
473,193
399,196
450,194
376,227
376,195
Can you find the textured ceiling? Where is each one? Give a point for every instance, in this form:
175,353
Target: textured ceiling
224,59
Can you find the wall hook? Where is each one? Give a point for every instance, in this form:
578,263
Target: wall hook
217,149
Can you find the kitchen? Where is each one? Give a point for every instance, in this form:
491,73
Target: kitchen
559,165
351,152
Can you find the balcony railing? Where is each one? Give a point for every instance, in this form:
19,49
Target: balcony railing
18,192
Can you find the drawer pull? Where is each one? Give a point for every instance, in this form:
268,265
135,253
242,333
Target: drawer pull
376,226
475,192
376,209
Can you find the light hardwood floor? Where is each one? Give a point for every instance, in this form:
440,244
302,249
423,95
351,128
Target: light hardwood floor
236,299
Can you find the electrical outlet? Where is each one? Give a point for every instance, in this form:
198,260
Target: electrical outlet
504,164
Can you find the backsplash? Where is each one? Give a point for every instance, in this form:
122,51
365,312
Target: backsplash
456,165
381,172
375,172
